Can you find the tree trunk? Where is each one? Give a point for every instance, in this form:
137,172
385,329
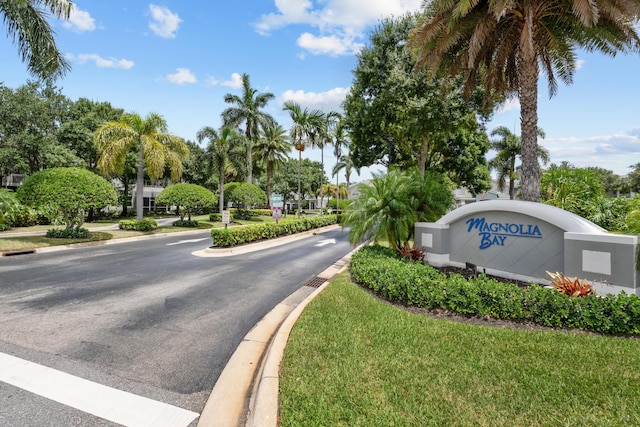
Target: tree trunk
269,186
140,185
422,157
512,192
249,154
528,95
299,187
221,200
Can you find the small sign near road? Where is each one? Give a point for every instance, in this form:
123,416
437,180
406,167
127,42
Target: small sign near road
226,217
276,206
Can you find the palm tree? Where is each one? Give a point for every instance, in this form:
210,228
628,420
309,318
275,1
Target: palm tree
272,149
247,109
340,140
220,152
345,162
156,148
305,127
503,44
508,148
25,21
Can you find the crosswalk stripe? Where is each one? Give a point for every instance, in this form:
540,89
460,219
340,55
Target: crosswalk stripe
102,401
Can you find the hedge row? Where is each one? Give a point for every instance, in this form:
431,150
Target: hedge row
420,285
252,233
142,225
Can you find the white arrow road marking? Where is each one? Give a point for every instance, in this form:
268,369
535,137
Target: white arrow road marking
326,242
187,241
102,401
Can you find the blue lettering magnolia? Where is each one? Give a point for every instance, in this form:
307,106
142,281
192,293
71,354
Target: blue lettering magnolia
496,233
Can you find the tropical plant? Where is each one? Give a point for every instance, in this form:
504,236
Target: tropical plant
390,206
272,149
155,148
345,162
504,45
571,287
222,153
508,148
187,197
307,124
572,189
247,109
26,23
68,192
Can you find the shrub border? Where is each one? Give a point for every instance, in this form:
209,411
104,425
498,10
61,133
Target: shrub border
416,284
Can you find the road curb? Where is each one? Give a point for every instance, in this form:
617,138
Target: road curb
246,393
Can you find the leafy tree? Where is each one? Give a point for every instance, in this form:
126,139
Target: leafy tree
221,153
307,124
155,148
83,118
504,45
244,195
196,167
285,179
188,197
398,117
508,148
272,149
26,23
390,206
29,120
345,162
67,192
247,109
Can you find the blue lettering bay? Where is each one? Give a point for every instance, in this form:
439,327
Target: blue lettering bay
496,233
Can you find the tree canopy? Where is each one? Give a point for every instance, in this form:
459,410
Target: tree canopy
187,197
66,192
397,116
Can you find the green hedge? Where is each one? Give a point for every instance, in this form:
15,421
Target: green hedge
420,285
185,223
68,233
252,233
146,224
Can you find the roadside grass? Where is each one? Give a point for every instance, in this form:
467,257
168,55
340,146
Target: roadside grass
9,244
354,360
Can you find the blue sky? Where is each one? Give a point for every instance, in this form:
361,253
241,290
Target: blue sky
180,58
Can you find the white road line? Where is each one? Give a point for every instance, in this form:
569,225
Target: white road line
105,402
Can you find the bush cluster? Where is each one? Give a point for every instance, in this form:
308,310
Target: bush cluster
420,285
146,224
253,233
185,223
68,233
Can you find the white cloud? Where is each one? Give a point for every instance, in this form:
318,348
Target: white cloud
100,62
235,82
579,63
212,81
330,100
181,76
509,104
80,21
164,22
328,45
339,22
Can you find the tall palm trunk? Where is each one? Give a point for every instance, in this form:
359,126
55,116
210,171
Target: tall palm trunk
528,95
269,186
299,195
512,172
249,155
140,185
221,183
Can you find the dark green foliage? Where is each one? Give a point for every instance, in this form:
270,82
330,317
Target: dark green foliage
138,225
253,233
188,197
244,195
185,223
68,233
416,284
66,193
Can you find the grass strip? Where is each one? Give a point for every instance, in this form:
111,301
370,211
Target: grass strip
353,360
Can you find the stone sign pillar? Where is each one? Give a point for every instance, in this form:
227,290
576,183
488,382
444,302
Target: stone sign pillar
524,240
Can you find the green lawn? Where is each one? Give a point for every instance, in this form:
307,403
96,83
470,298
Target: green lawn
353,360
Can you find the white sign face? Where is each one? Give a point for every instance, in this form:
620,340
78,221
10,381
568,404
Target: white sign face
276,199
226,217
276,212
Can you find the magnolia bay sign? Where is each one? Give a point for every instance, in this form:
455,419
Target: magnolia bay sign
524,240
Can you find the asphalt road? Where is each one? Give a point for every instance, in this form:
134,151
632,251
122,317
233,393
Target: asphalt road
146,317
